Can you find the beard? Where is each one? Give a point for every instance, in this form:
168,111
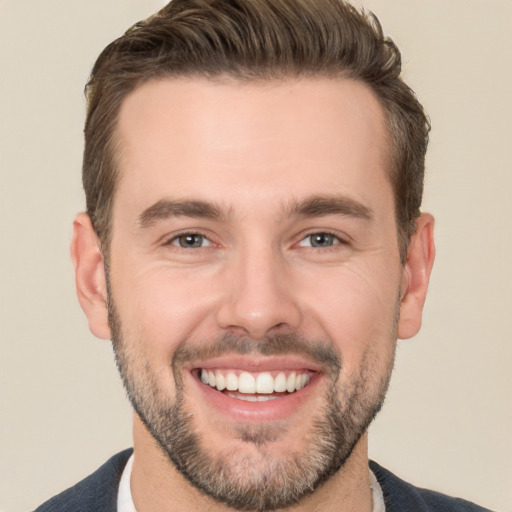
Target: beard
255,479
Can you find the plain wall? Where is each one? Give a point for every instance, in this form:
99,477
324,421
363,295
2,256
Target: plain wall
447,422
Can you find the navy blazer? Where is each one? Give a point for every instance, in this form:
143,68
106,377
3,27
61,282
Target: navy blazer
98,493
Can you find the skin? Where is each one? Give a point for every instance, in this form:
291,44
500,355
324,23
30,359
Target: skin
254,151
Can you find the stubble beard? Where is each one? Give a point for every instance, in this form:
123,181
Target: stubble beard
256,479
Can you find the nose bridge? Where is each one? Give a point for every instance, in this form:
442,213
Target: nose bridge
258,297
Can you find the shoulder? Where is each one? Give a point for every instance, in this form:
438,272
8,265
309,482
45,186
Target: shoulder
96,492
400,496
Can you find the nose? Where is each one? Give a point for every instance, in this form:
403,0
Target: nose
259,297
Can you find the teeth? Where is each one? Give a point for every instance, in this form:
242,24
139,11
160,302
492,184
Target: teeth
252,398
221,381
265,398
280,382
290,383
246,383
263,384
231,382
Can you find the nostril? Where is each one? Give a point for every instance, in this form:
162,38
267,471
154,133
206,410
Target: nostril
256,316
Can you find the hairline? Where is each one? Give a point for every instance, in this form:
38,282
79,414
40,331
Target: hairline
390,151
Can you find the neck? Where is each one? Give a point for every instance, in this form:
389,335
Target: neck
157,486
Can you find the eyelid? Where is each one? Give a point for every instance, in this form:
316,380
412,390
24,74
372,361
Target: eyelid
170,239
340,239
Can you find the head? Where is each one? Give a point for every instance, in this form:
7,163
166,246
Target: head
254,41
253,173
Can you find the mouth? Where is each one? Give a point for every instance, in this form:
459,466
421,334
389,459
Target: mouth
255,386
255,389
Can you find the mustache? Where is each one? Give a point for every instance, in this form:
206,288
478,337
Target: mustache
320,351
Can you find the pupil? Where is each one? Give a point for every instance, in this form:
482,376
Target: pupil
321,240
188,241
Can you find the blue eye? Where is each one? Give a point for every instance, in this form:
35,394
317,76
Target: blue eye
320,240
191,241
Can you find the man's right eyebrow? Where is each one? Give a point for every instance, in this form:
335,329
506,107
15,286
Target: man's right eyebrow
169,208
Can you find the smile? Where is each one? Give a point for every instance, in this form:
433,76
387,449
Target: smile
255,387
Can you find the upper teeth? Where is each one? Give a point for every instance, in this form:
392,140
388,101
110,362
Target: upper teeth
263,382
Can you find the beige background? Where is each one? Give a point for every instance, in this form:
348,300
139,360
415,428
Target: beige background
448,419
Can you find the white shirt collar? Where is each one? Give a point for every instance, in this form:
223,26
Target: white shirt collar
125,501
124,496
377,494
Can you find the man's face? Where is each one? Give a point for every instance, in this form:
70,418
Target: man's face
254,278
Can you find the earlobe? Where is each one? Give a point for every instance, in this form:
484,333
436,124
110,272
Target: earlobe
416,276
90,275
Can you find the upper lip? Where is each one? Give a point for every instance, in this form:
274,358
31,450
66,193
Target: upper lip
257,363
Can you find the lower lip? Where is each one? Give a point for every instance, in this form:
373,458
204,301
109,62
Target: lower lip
269,410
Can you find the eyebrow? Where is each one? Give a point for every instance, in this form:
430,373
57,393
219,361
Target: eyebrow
316,206
319,206
168,208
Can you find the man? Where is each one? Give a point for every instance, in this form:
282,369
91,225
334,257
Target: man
253,246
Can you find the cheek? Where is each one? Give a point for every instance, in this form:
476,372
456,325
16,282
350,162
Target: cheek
356,307
157,313
162,306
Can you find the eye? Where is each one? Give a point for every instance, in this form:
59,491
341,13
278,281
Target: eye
320,240
190,241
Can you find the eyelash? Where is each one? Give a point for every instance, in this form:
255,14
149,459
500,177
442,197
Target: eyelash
175,239
336,240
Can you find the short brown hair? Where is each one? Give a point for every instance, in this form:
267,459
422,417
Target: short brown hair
254,40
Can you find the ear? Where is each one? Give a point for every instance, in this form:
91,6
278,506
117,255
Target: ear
90,275
416,276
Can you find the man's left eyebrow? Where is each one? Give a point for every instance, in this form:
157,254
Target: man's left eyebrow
168,208
319,206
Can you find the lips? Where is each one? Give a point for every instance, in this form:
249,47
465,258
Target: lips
254,388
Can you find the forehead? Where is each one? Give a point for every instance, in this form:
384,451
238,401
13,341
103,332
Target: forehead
241,141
